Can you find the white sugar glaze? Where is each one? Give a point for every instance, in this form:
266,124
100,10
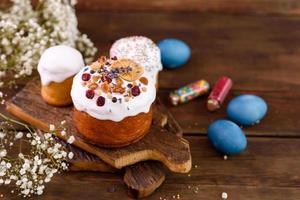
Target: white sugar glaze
140,49
112,111
58,63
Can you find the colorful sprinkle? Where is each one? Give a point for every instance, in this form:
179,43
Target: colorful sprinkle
189,92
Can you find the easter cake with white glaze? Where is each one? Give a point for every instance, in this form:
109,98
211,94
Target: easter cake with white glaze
141,50
112,100
57,67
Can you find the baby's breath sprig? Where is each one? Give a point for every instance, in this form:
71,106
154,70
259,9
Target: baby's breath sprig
25,32
29,172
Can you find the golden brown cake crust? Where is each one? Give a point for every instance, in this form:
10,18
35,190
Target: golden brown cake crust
58,94
107,133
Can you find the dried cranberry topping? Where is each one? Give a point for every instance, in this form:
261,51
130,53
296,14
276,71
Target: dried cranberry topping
129,85
135,91
106,78
114,99
92,71
86,77
90,94
100,101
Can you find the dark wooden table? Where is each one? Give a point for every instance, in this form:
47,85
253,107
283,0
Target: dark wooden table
261,53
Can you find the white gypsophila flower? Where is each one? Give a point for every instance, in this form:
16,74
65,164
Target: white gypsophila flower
2,135
33,142
3,153
51,127
7,181
13,177
63,133
8,165
3,168
70,155
71,139
19,135
40,190
21,156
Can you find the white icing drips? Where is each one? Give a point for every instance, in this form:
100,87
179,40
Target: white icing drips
112,111
58,63
140,49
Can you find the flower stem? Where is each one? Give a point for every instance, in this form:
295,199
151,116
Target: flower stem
15,121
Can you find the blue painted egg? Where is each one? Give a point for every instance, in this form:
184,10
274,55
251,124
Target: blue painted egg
227,137
174,53
247,109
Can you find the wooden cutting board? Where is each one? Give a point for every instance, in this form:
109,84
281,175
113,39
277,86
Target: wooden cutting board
160,144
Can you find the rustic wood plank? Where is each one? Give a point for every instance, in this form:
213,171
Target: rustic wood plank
227,6
255,51
266,162
287,7
281,118
95,187
268,169
209,192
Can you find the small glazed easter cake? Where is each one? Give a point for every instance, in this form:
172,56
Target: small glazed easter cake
141,50
57,67
112,100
